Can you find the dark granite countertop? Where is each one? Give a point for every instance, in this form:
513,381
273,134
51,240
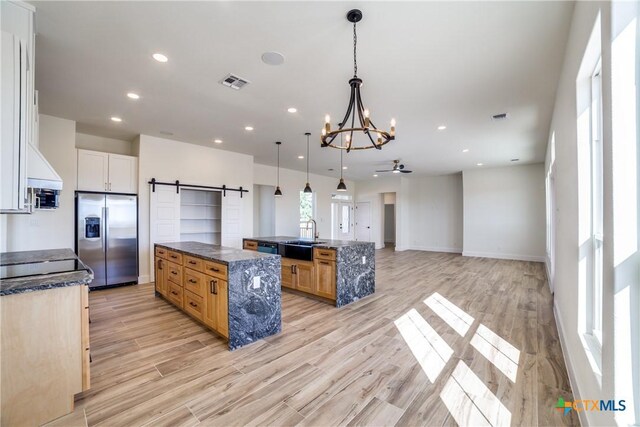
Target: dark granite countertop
325,243
41,282
218,253
28,257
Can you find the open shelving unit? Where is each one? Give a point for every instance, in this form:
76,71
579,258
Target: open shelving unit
200,216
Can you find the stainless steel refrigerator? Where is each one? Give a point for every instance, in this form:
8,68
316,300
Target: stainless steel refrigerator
107,237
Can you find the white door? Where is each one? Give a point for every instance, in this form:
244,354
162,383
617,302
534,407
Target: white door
232,220
164,218
343,221
93,171
363,221
123,172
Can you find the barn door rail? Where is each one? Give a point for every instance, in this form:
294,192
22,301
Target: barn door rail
178,184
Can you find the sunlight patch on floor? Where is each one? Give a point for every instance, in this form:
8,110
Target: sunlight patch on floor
470,401
429,349
503,355
453,315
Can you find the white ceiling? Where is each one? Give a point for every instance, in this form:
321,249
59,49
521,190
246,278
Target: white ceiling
424,63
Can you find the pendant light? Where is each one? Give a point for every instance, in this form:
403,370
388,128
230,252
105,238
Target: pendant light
341,185
278,193
307,188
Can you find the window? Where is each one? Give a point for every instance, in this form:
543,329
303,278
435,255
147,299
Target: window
306,213
596,203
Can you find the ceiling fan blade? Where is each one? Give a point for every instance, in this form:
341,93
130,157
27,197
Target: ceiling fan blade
404,171
390,170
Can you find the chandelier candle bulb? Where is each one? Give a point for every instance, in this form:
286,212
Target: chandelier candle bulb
366,118
393,127
327,123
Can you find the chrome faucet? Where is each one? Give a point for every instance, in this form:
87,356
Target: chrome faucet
314,228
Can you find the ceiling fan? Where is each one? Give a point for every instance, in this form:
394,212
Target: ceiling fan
397,168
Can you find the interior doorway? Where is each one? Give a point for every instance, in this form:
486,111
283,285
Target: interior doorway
264,211
389,219
363,221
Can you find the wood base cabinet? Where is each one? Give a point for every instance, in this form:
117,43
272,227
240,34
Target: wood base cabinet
196,286
44,342
315,278
326,278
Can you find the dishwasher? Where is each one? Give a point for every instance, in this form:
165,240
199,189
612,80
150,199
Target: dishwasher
268,248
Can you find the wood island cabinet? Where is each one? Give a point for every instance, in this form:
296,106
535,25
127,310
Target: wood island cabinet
305,279
326,278
196,286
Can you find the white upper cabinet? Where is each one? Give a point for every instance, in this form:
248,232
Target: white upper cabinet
17,108
113,173
123,174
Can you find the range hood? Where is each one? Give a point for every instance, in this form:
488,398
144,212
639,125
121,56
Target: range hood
40,174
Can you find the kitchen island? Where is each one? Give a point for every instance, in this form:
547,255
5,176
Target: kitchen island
339,272
235,293
44,339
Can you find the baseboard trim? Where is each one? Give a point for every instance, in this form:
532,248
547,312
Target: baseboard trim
568,362
435,249
144,279
504,256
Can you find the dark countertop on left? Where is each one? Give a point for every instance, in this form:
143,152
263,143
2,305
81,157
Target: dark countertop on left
45,281
28,257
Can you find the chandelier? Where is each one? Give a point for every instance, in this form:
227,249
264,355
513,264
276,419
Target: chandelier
356,110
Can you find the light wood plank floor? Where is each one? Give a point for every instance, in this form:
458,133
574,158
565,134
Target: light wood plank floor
152,365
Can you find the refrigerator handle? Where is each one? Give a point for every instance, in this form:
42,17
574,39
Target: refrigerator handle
105,213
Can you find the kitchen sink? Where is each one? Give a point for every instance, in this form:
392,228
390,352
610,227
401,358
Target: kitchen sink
303,242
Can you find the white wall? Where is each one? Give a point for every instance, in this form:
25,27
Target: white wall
621,328
168,160
428,210
55,228
504,212
288,206
435,213
106,145
264,210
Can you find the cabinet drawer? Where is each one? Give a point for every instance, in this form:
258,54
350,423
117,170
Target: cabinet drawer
215,269
194,263
162,252
251,245
194,282
174,273
174,294
174,257
320,253
193,304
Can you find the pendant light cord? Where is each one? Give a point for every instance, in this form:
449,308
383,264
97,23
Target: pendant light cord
307,158
355,43
278,165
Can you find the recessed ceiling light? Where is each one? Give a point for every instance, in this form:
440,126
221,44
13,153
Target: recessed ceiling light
515,160
479,164
273,58
116,119
292,110
344,167
160,57
466,150
375,175
249,128
301,157
133,95
217,141
442,127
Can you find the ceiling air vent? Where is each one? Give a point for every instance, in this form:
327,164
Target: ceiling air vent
234,82
501,116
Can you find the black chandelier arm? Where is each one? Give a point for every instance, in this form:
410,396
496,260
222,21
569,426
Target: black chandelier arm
349,109
372,141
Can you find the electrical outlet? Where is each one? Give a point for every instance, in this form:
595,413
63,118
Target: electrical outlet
256,282
364,259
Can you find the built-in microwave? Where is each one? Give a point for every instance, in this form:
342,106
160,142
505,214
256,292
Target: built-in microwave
46,199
